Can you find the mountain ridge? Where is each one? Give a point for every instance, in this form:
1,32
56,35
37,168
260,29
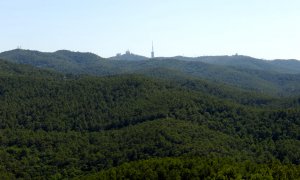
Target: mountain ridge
240,71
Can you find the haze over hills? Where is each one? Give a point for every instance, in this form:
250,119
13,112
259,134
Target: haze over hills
281,66
279,77
289,66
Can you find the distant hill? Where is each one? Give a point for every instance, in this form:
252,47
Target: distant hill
290,66
274,77
63,60
281,66
12,69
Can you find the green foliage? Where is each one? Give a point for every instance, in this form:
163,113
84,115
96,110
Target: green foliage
198,168
28,153
11,69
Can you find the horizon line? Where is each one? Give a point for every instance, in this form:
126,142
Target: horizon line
182,55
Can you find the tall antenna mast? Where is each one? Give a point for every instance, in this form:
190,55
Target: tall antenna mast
152,46
152,52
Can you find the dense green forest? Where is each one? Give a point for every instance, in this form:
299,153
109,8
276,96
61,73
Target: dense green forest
128,126
197,168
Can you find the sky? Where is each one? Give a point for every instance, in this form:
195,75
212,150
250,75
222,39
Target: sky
268,29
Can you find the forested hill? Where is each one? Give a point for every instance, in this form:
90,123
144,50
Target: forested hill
279,66
37,58
85,126
63,60
12,69
271,77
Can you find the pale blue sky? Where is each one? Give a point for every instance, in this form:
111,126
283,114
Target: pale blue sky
260,28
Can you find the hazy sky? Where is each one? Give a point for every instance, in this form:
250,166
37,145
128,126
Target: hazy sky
267,29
